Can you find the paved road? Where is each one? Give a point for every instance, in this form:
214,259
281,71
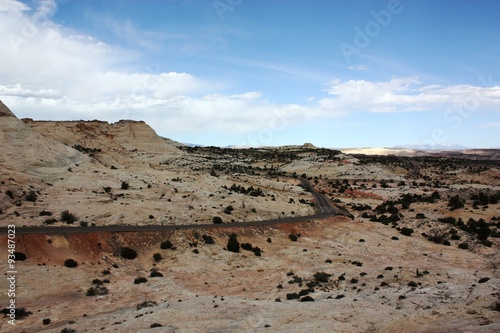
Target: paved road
324,209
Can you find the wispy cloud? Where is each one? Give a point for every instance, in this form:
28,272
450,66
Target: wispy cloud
361,67
490,125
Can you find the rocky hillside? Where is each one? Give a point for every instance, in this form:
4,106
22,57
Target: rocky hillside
421,253
24,150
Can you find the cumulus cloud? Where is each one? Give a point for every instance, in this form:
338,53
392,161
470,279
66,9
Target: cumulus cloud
403,95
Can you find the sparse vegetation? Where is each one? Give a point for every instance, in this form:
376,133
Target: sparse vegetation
217,220
167,244
20,256
140,280
70,263
128,253
232,244
208,239
68,217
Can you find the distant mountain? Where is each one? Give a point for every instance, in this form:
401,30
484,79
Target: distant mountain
422,146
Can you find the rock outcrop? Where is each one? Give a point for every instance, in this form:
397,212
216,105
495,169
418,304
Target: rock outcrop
28,151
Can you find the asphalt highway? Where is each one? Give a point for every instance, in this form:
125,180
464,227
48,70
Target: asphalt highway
324,209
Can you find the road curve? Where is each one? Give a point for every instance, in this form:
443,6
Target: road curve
323,206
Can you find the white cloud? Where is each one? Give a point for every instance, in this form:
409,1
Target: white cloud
13,7
361,67
405,94
490,125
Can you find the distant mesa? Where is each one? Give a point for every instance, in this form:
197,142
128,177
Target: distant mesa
308,145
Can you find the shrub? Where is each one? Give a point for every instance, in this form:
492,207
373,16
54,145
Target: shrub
125,186
156,325
307,299
291,296
246,246
32,197
146,304
97,291
140,280
157,257
496,306
406,231
70,263
208,239
45,213
455,202
463,246
19,256
128,253
166,245
68,217
97,282
217,220
19,312
483,280
228,210
322,277
293,237
257,251
67,330
46,321
155,273
232,244
50,221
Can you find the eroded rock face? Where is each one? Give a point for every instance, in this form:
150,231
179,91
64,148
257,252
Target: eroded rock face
4,111
28,151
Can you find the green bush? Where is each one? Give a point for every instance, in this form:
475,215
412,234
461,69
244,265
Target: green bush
70,263
128,253
31,197
166,245
232,244
68,217
217,220
208,239
140,280
463,246
406,231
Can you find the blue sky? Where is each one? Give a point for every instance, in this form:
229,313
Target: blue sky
275,72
